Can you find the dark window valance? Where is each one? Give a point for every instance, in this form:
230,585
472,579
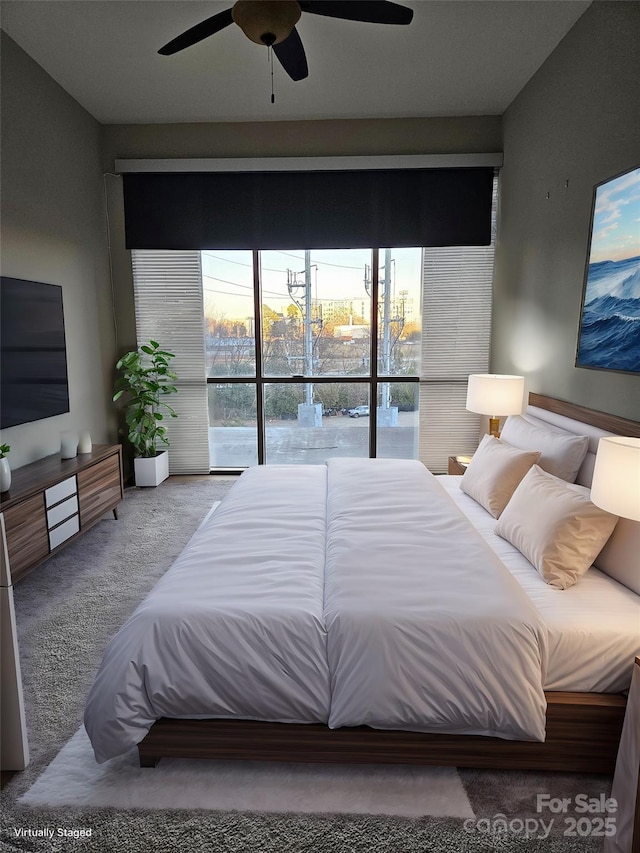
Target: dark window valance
314,210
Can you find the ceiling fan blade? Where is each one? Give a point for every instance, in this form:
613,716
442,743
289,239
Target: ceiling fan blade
201,31
292,57
373,11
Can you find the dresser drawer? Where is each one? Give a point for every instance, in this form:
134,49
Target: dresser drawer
100,489
61,511
60,491
26,530
64,531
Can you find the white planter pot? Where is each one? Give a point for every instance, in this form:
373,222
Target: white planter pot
5,475
151,472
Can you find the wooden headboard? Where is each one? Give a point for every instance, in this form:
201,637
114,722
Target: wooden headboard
611,423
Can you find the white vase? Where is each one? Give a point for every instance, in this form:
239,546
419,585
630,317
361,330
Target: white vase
84,444
5,475
68,444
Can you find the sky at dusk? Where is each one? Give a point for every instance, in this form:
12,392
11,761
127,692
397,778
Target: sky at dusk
616,219
336,274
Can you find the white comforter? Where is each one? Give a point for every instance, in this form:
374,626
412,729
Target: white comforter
426,629
235,628
350,594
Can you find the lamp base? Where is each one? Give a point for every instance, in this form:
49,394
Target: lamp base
494,427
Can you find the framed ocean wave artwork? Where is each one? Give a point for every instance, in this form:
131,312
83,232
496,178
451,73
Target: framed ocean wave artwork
609,336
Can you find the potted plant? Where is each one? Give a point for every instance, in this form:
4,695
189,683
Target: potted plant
5,470
146,379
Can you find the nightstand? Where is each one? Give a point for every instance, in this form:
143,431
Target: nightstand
626,787
456,467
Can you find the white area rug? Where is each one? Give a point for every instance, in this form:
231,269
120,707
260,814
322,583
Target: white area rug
74,779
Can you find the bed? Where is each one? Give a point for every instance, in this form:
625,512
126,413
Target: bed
298,625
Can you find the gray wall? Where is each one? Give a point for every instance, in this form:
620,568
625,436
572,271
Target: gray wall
304,138
53,230
576,121
478,134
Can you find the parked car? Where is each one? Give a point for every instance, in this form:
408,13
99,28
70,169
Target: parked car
359,412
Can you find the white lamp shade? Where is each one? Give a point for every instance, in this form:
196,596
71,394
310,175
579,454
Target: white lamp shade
616,476
495,394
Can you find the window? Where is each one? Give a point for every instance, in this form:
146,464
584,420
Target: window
315,350
299,324
282,358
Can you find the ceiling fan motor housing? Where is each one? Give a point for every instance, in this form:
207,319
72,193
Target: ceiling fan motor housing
266,22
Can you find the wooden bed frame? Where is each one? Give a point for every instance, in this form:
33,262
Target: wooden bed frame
583,729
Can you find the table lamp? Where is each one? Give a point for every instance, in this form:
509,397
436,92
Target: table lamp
495,395
616,476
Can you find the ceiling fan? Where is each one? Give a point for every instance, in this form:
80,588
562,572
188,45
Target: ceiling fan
273,23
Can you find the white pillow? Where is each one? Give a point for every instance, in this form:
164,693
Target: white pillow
555,526
620,557
561,453
494,472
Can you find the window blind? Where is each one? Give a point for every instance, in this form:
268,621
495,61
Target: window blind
456,332
169,309
323,209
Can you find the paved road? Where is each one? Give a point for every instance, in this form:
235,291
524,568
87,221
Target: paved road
287,443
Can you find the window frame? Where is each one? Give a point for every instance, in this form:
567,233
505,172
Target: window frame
373,379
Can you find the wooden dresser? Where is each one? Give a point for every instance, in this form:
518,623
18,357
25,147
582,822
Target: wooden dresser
53,501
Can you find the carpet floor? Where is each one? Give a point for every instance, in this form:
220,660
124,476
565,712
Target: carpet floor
74,778
68,609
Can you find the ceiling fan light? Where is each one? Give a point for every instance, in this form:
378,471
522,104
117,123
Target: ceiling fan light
266,21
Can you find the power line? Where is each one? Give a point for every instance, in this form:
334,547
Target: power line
225,292
231,293
226,281
236,284
275,294
239,263
325,263
289,255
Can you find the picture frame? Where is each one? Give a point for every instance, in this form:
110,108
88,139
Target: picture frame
609,332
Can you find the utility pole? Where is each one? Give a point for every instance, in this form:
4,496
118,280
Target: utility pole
387,414
307,410
308,338
385,388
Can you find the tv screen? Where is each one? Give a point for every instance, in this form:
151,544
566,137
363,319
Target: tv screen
33,368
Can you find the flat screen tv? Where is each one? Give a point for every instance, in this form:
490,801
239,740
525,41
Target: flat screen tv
33,367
